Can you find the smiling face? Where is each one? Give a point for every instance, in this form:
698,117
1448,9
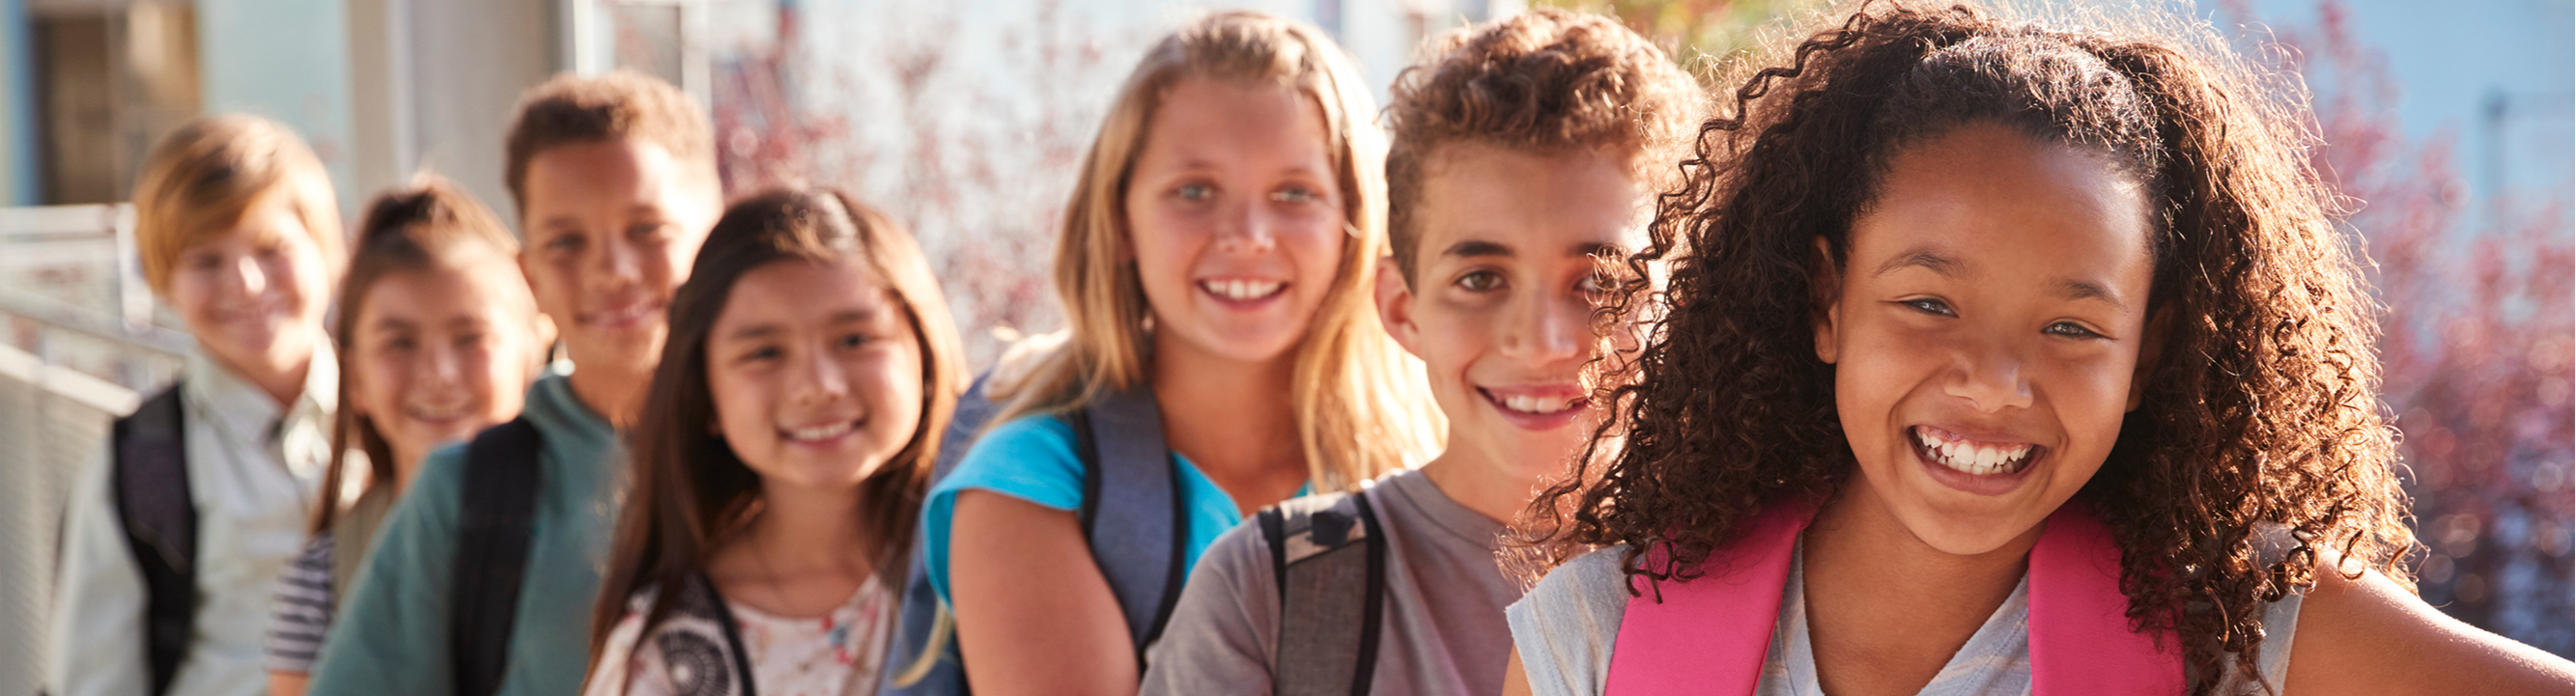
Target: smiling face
1235,218
1987,332
441,354
1500,308
253,296
611,229
816,373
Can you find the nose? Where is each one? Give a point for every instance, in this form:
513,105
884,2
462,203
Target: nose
1539,331
825,380
249,279
1245,228
1989,375
618,261
442,367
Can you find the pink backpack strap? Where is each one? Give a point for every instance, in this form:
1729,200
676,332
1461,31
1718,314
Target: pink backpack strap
1709,635
2080,642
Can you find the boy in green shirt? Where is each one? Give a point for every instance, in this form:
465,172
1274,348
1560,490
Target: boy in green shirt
615,181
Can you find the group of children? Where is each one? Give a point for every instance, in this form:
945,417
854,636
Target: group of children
1953,354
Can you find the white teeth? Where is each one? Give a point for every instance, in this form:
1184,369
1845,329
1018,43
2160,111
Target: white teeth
433,413
1981,460
819,433
1536,405
1242,289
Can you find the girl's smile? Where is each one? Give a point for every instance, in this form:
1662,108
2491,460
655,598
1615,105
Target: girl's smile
1988,330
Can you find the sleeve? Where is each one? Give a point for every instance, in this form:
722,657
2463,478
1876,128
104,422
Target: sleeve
1223,635
391,635
619,663
96,622
1030,458
300,614
1565,627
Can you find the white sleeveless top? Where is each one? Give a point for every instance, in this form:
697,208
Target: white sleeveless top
1566,626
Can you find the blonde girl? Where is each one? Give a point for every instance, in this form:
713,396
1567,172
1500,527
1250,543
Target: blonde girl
1215,271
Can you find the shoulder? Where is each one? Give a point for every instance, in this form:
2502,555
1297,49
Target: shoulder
1565,627
2367,632
1030,457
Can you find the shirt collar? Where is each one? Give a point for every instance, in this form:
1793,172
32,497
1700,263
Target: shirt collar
237,406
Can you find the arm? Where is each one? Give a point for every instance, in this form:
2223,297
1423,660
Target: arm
391,634
1515,681
288,683
1034,615
2367,635
1221,637
96,626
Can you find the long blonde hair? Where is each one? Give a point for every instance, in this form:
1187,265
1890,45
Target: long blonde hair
1358,399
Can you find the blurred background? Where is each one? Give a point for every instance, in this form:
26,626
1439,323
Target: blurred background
2451,125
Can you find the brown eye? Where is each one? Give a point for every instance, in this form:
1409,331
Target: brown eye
2070,330
1481,281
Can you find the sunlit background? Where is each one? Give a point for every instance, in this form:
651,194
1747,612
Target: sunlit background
2452,125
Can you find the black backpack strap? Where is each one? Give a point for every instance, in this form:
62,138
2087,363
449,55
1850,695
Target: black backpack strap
1131,508
919,618
159,513
498,506
1328,555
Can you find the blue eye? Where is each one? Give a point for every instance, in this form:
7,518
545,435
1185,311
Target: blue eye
1296,194
2070,330
1195,192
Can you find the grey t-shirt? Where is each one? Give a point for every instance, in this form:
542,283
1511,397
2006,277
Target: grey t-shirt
1444,631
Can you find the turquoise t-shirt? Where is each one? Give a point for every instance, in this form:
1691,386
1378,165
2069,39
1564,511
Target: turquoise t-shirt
1032,458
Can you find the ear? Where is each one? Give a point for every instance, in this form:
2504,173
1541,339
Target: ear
1825,282
2151,352
1395,306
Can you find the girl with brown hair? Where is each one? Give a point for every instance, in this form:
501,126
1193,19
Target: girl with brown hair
780,458
1999,356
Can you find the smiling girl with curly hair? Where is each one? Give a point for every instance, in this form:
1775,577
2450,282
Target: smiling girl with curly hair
1997,357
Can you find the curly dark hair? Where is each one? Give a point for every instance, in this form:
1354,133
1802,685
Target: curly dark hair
1545,80
2265,408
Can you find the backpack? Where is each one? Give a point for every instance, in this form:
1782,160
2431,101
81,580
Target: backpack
499,501
1131,515
157,509
1329,557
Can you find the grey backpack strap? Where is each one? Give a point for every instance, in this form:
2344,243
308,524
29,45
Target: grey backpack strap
159,513
920,614
1131,508
1329,558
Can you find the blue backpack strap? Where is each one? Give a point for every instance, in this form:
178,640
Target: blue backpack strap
920,613
498,507
1131,508
1328,556
155,505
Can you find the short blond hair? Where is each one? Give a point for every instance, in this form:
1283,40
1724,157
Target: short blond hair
201,179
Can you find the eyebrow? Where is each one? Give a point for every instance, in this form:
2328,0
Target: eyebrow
855,315
1946,265
2073,289
1478,247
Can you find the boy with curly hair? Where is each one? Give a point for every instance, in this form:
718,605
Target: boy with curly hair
1525,152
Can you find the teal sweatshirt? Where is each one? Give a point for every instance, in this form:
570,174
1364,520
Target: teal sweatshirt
391,636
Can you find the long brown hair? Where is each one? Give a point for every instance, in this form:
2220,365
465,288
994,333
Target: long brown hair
690,493
2264,409
428,225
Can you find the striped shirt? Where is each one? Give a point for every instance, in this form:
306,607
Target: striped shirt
301,614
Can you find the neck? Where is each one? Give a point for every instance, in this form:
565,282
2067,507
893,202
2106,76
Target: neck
280,380
1886,610
1235,420
805,530
614,396
1491,486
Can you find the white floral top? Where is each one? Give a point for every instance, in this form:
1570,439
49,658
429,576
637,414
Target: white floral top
834,655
